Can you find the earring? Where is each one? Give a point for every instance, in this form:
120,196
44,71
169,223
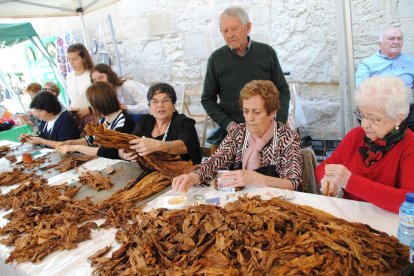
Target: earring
397,127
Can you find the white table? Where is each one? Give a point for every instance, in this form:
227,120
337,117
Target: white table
74,262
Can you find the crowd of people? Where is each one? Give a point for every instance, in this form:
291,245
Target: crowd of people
246,95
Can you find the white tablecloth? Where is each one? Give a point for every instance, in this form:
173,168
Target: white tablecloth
74,262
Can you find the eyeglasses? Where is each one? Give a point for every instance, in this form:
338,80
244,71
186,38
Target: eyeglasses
163,101
371,120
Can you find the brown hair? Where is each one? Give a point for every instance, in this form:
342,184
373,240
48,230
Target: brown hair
83,53
264,88
34,87
53,88
112,76
102,97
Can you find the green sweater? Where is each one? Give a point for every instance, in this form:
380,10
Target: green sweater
227,73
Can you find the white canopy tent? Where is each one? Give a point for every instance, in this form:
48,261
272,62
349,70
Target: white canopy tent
44,8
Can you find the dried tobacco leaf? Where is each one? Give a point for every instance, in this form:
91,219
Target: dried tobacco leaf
253,237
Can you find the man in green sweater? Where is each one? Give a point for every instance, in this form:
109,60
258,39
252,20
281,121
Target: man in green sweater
232,66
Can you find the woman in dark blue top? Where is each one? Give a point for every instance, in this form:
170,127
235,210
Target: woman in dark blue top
103,99
56,125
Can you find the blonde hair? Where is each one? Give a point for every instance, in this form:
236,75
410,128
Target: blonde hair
389,94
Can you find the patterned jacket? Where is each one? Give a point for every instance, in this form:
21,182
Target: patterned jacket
285,156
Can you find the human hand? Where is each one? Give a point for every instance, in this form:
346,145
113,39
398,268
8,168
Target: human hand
64,149
82,112
337,174
144,146
23,138
240,178
35,140
328,190
183,182
129,156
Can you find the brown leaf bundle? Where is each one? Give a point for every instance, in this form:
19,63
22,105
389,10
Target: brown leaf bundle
45,219
14,177
96,180
252,237
139,189
70,163
167,164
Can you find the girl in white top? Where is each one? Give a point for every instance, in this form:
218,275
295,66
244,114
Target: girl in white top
131,94
78,81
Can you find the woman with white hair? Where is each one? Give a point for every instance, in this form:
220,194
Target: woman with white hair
374,162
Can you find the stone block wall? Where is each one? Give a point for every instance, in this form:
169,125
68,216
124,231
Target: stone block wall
170,41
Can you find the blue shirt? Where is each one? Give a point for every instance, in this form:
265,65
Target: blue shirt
380,65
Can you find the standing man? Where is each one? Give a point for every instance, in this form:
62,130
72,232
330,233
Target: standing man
230,67
389,61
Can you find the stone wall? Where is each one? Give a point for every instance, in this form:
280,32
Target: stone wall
170,41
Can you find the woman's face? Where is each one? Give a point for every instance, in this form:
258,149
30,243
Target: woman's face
97,76
376,123
76,61
257,119
49,89
161,106
43,115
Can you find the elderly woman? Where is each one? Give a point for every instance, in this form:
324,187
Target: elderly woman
164,130
55,125
131,94
102,97
259,152
374,162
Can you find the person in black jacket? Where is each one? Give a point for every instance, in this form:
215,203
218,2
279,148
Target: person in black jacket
164,130
103,99
55,126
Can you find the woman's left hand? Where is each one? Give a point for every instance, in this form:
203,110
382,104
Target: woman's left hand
241,178
65,148
337,174
144,146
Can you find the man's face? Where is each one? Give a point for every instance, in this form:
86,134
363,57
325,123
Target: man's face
234,33
392,42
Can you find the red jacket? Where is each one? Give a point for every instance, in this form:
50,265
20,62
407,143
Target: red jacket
384,183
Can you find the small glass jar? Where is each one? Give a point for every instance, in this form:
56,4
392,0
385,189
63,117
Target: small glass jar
27,158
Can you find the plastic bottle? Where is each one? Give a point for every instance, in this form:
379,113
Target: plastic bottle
406,227
412,252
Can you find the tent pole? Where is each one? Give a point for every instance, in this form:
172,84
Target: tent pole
346,64
114,42
84,33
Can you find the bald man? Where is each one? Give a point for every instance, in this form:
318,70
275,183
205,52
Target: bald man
389,61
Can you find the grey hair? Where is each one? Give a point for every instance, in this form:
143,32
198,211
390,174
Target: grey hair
238,12
381,36
389,94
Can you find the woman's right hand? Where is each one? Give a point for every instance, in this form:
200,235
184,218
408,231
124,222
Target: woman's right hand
129,156
328,190
183,182
23,138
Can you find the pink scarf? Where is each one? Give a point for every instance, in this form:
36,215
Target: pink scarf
251,158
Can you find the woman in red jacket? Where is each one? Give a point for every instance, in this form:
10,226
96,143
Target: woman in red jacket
374,162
